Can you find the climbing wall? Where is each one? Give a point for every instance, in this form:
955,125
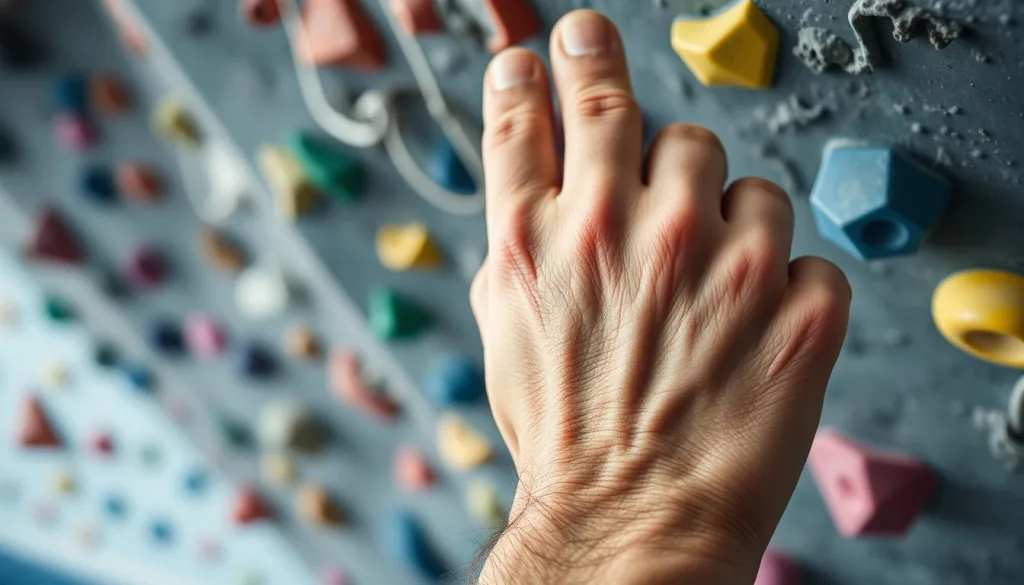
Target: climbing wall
894,125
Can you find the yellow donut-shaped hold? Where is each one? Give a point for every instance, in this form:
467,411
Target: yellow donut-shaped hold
982,313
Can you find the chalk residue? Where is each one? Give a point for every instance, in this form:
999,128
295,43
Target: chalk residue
820,48
1003,446
789,114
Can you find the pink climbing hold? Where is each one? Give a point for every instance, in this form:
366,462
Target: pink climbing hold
416,16
35,428
204,336
777,569
332,575
867,492
412,470
250,507
345,380
74,132
146,268
102,444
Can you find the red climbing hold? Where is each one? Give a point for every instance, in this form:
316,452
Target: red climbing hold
346,383
101,444
35,429
417,17
868,493
250,507
339,32
261,12
412,470
53,239
514,22
777,569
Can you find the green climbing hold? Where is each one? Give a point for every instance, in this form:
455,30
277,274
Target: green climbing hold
330,169
105,355
393,316
57,310
235,434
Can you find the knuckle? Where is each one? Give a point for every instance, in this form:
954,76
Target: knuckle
606,104
765,187
691,133
520,124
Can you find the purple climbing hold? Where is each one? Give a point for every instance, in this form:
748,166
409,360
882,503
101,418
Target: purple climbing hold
146,268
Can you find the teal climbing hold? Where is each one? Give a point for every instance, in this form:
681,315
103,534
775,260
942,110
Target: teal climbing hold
70,95
447,170
331,170
394,316
105,355
406,540
235,434
57,310
115,507
138,377
161,531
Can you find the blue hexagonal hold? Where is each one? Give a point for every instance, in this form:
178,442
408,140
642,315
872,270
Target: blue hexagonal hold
454,380
875,202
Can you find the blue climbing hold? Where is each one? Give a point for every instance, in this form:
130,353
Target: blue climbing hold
115,507
448,171
255,361
98,185
167,338
161,531
70,94
405,539
454,380
874,201
196,481
138,376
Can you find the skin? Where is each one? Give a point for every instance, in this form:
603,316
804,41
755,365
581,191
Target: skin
655,362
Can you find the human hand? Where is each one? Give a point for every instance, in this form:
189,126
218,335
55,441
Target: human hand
655,362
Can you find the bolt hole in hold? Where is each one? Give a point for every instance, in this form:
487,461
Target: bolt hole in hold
885,234
1001,345
845,485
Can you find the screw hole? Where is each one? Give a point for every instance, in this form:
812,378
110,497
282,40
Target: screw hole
845,485
884,234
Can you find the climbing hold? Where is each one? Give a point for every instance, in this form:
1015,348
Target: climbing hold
74,132
339,32
460,446
406,247
315,506
98,185
777,569
868,493
167,338
277,468
234,433
138,376
875,202
209,550
222,252
294,193
255,361
333,575
161,531
115,507
328,168
57,310
70,94
412,470
139,182
45,513
53,240
35,428
261,292
261,12
982,313
105,355
513,22
454,380
102,444
345,380
56,375
483,504
131,32
446,169
108,95
205,336
173,123
64,483
250,507
300,343
405,539
150,455
196,481
736,45
417,17
289,425
146,268
394,316
177,407
87,536
8,313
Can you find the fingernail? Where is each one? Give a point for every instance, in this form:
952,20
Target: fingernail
511,69
586,33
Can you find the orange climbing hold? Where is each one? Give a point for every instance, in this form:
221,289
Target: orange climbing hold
108,95
412,470
345,379
53,239
339,32
514,22
250,507
139,182
35,428
417,17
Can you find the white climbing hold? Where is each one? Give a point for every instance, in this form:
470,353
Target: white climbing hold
289,425
261,292
483,503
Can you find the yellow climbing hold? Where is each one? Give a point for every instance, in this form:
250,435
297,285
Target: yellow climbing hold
57,375
173,123
294,193
406,247
483,505
461,446
64,483
736,45
316,507
278,468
